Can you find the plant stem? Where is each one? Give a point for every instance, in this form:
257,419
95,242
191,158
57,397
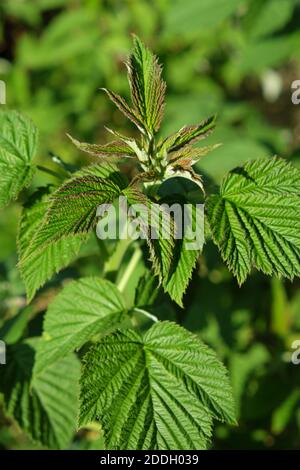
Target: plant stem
147,314
129,269
113,263
102,248
49,171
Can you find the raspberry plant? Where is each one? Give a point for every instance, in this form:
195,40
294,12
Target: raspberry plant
148,387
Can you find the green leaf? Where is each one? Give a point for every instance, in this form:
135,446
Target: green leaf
189,154
184,171
157,391
124,107
117,148
185,257
38,264
180,162
188,135
242,366
197,18
147,87
264,18
45,407
285,412
68,37
255,221
74,205
18,144
138,150
158,230
173,260
82,310
14,327
268,53
147,290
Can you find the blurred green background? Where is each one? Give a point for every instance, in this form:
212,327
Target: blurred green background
234,57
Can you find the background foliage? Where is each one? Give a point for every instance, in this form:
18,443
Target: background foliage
237,59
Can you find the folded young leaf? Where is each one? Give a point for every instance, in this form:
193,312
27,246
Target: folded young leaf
190,155
184,171
117,148
44,407
81,311
255,220
147,290
125,109
146,85
18,144
180,162
159,391
38,266
188,135
135,147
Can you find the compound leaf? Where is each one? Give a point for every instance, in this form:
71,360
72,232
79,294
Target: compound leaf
117,148
255,220
189,154
186,252
147,290
188,135
124,107
173,255
38,266
147,87
74,205
18,144
157,391
82,310
156,227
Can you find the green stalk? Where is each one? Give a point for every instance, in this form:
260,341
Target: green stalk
114,262
147,314
137,254
49,172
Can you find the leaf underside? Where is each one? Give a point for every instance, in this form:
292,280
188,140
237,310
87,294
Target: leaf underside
116,148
